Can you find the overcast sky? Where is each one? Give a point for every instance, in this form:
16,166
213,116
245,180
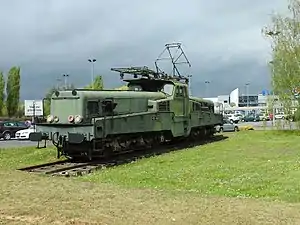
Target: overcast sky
222,39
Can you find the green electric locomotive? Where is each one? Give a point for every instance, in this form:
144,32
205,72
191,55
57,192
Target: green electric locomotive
156,108
91,124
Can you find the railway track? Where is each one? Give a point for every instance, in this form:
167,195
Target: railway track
67,168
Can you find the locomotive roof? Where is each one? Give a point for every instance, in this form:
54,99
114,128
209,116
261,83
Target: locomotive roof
106,93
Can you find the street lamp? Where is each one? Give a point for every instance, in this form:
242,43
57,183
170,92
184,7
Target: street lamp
247,93
190,84
65,79
273,33
273,95
206,87
58,83
92,61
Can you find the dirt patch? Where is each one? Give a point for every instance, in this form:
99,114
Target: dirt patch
33,199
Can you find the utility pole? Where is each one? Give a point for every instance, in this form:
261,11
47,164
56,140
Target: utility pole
206,88
92,61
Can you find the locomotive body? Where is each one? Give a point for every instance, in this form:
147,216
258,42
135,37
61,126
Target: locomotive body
90,124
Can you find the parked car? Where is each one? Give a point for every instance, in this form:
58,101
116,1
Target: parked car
251,118
24,134
240,116
279,116
233,118
8,129
227,127
264,117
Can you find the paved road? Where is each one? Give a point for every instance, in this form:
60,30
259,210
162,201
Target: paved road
15,143
18,143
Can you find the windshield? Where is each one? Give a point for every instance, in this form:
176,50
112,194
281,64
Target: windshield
168,89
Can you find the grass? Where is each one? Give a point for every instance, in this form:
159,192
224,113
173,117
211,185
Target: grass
192,186
248,164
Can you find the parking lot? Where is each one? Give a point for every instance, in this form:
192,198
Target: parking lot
16,143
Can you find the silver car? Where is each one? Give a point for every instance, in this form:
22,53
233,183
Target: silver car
227,127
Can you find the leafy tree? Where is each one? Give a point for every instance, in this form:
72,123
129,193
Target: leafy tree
124,87
97,84
2,95
284,33
13,91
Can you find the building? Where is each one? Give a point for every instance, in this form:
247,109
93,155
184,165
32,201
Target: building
262,102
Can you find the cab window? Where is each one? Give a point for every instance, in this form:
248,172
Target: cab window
180,91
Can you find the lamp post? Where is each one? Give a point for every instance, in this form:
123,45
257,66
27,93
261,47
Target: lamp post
273,96
92,61
65,79
247,96
206,87
190,84
58,83
273,33
247,93
33,115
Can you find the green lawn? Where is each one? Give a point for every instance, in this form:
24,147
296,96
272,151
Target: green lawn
191,186
248,164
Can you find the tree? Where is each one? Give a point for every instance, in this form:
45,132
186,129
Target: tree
284,33
97,84
13,91
124,87
2,95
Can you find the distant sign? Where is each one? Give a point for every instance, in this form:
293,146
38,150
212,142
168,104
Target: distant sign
265,92
33,108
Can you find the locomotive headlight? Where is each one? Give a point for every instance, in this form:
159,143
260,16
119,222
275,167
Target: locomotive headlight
78,119
50,119
56,119
71,119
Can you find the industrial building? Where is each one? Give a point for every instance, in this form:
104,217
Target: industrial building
234,101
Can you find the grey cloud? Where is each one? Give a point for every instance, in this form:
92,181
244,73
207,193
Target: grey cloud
221,39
